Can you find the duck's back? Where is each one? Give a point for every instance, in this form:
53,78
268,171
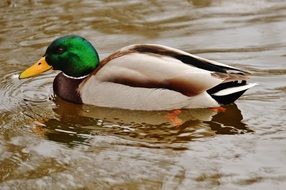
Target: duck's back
154,77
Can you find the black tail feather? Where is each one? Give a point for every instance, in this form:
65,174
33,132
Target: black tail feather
229,98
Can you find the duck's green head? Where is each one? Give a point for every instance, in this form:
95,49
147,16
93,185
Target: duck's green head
73,55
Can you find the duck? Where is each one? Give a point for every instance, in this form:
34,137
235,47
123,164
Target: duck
138,77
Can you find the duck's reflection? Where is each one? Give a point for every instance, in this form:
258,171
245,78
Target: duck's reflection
229,122
76,123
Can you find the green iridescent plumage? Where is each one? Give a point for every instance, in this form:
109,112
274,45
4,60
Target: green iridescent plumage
73,55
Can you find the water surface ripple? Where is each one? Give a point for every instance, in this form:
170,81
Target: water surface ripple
47,143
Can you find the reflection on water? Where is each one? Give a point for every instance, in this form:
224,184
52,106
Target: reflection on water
80,122
47,143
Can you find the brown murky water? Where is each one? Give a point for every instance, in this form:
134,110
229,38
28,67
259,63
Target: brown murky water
46,143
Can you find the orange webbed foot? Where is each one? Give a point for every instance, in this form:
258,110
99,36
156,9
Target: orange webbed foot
172,116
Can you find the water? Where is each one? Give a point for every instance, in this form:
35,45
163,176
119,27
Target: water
47,143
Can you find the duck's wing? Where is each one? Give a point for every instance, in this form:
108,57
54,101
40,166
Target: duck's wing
154,77
157,66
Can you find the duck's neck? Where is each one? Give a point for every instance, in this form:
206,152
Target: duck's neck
66,87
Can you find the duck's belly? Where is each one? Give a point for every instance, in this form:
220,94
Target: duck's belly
109,94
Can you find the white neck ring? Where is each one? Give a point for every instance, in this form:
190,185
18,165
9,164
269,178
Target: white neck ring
82,77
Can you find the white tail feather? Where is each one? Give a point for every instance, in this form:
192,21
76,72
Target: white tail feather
233,90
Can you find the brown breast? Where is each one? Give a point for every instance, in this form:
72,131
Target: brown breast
66,88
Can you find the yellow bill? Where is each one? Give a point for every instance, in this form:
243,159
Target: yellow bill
36,69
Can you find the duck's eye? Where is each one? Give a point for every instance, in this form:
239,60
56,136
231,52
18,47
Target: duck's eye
60,50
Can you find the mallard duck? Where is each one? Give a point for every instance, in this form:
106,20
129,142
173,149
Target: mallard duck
138,77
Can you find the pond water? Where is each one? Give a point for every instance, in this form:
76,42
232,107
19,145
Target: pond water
47,143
